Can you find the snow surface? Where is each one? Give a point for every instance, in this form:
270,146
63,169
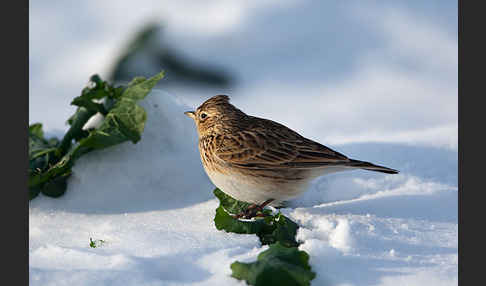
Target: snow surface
153,205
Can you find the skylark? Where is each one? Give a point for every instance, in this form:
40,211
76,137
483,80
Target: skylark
260,161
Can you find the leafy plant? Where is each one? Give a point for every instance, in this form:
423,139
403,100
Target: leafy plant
269,229
278,265
282,263
95,243
51,161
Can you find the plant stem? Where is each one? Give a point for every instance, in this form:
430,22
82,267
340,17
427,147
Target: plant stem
82,116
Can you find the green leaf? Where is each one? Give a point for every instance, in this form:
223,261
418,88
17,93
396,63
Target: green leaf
95,243
42,155
37,142
97,90
279,265
225,221
231,205
139,87
270,229
57,186
38,178
36,129
284,231
126,119
50,161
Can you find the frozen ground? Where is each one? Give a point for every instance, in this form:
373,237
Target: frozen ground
153,205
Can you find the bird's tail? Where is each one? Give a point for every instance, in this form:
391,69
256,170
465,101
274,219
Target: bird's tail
371,167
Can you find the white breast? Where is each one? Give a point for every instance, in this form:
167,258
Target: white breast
257,190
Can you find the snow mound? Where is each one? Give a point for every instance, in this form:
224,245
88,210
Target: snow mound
161,171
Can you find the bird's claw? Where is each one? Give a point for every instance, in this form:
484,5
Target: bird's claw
253,210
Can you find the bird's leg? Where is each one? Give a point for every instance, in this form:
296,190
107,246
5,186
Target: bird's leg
252,210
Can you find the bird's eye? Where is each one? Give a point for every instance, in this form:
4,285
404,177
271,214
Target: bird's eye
203,115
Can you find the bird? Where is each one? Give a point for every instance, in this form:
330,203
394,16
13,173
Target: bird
260,161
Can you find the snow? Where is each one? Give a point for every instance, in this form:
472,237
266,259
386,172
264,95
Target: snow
153,205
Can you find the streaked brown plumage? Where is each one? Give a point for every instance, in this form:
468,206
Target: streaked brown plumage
254,159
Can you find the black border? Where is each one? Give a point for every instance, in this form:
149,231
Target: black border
14,118
470,151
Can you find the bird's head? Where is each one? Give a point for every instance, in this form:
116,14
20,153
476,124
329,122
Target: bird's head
215,115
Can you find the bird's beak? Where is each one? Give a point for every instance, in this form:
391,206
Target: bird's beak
190,114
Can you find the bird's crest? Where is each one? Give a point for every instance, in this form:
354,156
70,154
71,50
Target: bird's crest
216,100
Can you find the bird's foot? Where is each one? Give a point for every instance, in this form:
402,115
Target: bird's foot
253,210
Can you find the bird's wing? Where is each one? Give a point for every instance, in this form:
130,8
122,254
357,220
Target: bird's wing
272,145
